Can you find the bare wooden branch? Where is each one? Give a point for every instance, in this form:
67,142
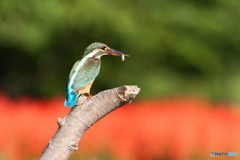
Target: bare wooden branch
81,117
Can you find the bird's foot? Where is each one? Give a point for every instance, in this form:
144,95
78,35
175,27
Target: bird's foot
88,95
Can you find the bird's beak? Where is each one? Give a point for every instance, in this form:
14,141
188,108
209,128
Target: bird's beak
117,53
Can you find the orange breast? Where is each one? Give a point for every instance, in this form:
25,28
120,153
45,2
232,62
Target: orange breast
86,89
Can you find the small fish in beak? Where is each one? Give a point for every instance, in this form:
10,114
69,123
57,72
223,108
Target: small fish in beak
123,57
117,53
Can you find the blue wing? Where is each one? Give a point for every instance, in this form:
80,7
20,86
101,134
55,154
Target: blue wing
82,73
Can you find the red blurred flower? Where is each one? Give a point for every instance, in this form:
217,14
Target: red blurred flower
178,128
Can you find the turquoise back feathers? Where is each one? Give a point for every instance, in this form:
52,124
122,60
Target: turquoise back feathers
85,71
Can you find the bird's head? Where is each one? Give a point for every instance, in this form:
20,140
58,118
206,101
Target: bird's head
97,50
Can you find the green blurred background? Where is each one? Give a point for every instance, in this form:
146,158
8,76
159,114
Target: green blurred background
175,47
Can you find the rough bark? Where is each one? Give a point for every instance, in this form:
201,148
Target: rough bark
87,112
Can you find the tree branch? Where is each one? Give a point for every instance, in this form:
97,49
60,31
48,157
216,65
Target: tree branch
81,117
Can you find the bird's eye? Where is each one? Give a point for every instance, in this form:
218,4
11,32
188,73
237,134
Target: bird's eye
103,47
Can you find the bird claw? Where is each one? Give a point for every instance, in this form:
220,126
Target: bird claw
88,95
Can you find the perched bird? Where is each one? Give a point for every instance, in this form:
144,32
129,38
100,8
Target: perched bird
86,70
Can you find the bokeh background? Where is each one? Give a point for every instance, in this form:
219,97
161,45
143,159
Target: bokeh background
183,54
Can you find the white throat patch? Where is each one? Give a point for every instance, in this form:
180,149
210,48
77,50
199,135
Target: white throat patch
91,54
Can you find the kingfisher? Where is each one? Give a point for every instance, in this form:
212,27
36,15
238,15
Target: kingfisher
84,71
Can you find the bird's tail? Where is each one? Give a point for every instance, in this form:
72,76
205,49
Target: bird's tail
71,99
